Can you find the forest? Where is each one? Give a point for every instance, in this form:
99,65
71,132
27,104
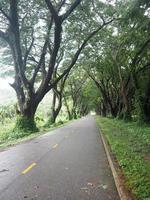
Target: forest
88,56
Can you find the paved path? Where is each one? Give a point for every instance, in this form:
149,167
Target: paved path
68,163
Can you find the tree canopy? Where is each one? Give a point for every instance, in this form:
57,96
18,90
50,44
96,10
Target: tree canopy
94,54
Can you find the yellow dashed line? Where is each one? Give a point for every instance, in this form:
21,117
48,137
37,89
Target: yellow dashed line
55,146
29,168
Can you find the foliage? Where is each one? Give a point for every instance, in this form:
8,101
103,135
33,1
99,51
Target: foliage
39,37
9,133
25,125
74,97
6,113
50,38
130,143
117,61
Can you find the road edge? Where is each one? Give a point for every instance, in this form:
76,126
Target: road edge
123,193
12,143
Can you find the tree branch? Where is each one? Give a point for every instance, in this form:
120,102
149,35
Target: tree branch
52,10
70,10
94,7
4,36
57,41
28,50
61,4
17,42
144,68
5,14
39,63
137,57
75,58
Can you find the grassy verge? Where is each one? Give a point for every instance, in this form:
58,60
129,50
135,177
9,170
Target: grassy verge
8,137
130,144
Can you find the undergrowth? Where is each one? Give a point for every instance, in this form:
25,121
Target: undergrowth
130,143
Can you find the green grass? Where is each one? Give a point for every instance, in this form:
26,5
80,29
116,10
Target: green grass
9,137
130,143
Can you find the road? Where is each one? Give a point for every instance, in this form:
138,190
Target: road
68,163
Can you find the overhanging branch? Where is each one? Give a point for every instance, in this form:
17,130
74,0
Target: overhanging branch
28,50
137,57
52,10
4,36
5,14
144,68
76,56
70,10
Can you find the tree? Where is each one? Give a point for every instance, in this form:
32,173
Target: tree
119,62
57,99
74,93
35,54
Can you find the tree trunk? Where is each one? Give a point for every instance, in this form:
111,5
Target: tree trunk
144,102
103,110
83,110
126,103
56,110
53,113
53,117
74,114
67,108
25,118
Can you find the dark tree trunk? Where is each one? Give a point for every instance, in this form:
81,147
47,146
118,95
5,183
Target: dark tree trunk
103,110
53,113
144,102
127,107
126,103
25,119
120,108
83,110
74,113
67,108
108,102
56,108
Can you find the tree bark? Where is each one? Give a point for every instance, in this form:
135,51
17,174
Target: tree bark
67,108
56,109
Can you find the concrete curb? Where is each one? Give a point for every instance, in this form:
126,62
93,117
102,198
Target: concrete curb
123,193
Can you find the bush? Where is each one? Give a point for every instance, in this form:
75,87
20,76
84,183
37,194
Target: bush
25,125
60,122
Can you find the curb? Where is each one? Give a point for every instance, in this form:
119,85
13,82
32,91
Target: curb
123,193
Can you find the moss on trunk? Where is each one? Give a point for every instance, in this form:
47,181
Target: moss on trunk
25,124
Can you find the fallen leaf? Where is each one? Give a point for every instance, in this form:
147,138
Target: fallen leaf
104,187
84,188
90,184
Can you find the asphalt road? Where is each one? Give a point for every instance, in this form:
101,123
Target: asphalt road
68,163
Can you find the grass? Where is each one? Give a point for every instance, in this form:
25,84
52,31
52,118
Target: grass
7,123
9,137
130,143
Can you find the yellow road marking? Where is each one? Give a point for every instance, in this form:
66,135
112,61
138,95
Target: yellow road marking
55,146
29,168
